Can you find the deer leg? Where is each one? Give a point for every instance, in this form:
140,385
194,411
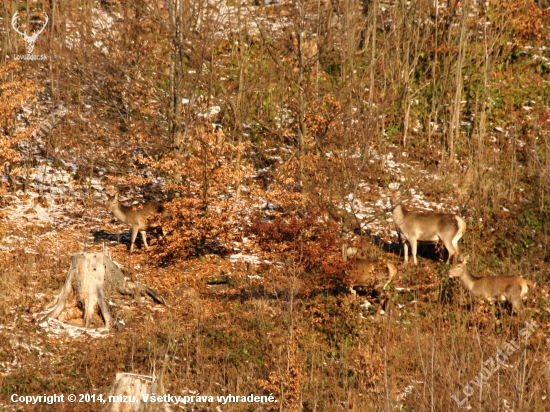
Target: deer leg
413,250
133,240
519,304
406,251
455,242
385,302
144,237
451,249
516,301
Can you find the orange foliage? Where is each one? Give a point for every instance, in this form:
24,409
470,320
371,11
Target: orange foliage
313,243
322,118
15,89
206,218
285,381
523,17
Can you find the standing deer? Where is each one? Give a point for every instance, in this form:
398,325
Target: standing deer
427,227
511,288
369,272
135,216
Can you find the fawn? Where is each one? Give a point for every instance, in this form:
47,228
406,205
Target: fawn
135,216
369,272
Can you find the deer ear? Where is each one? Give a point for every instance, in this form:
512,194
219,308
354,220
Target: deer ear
116,196
465,259
396,197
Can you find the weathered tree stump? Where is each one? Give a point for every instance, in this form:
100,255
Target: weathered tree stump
94,277
128,391
132,392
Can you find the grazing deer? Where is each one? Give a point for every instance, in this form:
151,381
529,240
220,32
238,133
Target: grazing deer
135,216
510,288
427,227
369,273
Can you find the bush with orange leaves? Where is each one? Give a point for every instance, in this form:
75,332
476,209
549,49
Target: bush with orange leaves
202,176
195,229
15,89
286,378
522,18
311,239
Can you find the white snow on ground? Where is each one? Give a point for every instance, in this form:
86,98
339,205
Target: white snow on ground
26,211
54,199
56,327
376,215
239,257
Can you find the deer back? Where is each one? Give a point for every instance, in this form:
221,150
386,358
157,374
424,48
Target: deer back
500,287
491,287
135,215
428,226
363,271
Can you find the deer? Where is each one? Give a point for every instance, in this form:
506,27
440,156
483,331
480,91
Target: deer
426,227
503,288
135,216
369,272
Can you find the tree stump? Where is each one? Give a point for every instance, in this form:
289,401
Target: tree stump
94,277
128,390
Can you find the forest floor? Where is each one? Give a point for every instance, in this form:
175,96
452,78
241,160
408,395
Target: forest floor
234,327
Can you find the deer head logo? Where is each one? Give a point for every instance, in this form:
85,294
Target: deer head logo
29,40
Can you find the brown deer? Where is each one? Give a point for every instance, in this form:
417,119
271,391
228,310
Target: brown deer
504,288
369,272
135,216
427,227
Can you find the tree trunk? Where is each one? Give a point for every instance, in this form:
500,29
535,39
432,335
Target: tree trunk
454,130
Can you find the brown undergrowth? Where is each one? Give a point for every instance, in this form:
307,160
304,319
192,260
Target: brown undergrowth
286,329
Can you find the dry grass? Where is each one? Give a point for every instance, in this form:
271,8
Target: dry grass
373,113
313,351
